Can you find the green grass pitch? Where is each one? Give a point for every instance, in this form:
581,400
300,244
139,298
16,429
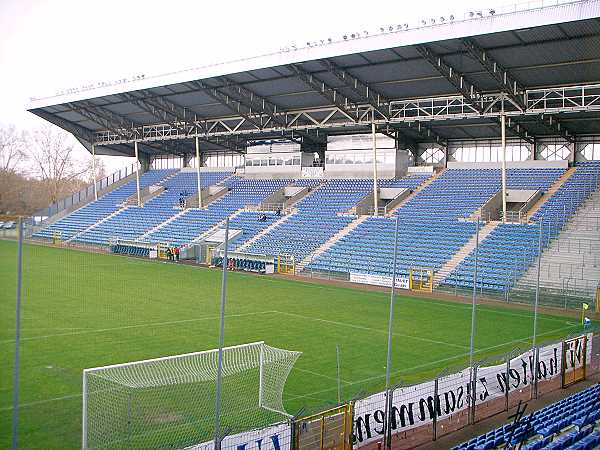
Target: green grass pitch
85,310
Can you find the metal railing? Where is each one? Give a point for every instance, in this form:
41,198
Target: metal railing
84,195
270,207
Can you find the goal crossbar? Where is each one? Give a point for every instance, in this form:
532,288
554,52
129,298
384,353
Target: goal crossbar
170,358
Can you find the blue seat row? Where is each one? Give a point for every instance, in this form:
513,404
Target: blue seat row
568,424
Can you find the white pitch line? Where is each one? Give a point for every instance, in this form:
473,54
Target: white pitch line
128,327
321,375
310,394
450,304
360,327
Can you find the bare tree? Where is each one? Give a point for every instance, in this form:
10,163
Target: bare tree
55,163
12,149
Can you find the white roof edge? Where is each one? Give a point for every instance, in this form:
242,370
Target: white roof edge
547,15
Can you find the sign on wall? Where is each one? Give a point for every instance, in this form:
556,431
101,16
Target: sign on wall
378,280
275,437
414,406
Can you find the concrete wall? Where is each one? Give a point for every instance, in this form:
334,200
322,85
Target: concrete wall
537,164
208,169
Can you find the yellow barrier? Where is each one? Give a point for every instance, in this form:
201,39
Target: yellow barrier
421,279
329,430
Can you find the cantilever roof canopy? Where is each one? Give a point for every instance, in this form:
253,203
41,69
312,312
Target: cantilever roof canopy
538,67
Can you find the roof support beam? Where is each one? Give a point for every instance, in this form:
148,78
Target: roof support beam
78,131
255,104
234,104
362,90
104,118
165,110
511,87
367,95
344,104
453,76
467,89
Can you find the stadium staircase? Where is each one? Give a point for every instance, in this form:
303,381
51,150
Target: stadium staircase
570,266
147,196
416,191
550,192
267,230
465,251
329,243
281,221
100,222
216,227
162,224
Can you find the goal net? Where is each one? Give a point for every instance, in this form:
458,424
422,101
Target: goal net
170,402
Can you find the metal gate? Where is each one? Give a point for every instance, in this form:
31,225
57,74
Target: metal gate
329,430
574,356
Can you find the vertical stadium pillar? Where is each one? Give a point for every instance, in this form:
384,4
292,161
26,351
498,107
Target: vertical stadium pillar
375,193
94,172
445,149
503,126
572,152
198,162
137,173
187,157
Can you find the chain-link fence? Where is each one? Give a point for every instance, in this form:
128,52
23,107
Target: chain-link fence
89,308
454,399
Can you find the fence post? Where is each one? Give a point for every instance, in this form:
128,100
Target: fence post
435,406
17,379
473,394
507,386
535,372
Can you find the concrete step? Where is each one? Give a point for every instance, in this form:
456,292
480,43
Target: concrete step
94,225
162,224
331,242
463,252
551,190
214,227
278,222
267,230
416,191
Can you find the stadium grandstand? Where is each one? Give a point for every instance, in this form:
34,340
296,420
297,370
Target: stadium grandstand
492,117
459,157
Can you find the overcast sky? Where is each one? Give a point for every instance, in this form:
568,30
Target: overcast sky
49,45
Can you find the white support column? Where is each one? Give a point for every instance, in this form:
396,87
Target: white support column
503,126
84,424
198,172
375,191
94,171
261,374
137,174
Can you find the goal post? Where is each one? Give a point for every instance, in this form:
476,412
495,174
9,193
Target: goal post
169,402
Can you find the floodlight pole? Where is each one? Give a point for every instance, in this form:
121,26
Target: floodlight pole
535,308
375,193
94,171
503,126
16,379
339,375
217,445
137,173
198,172
388,365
